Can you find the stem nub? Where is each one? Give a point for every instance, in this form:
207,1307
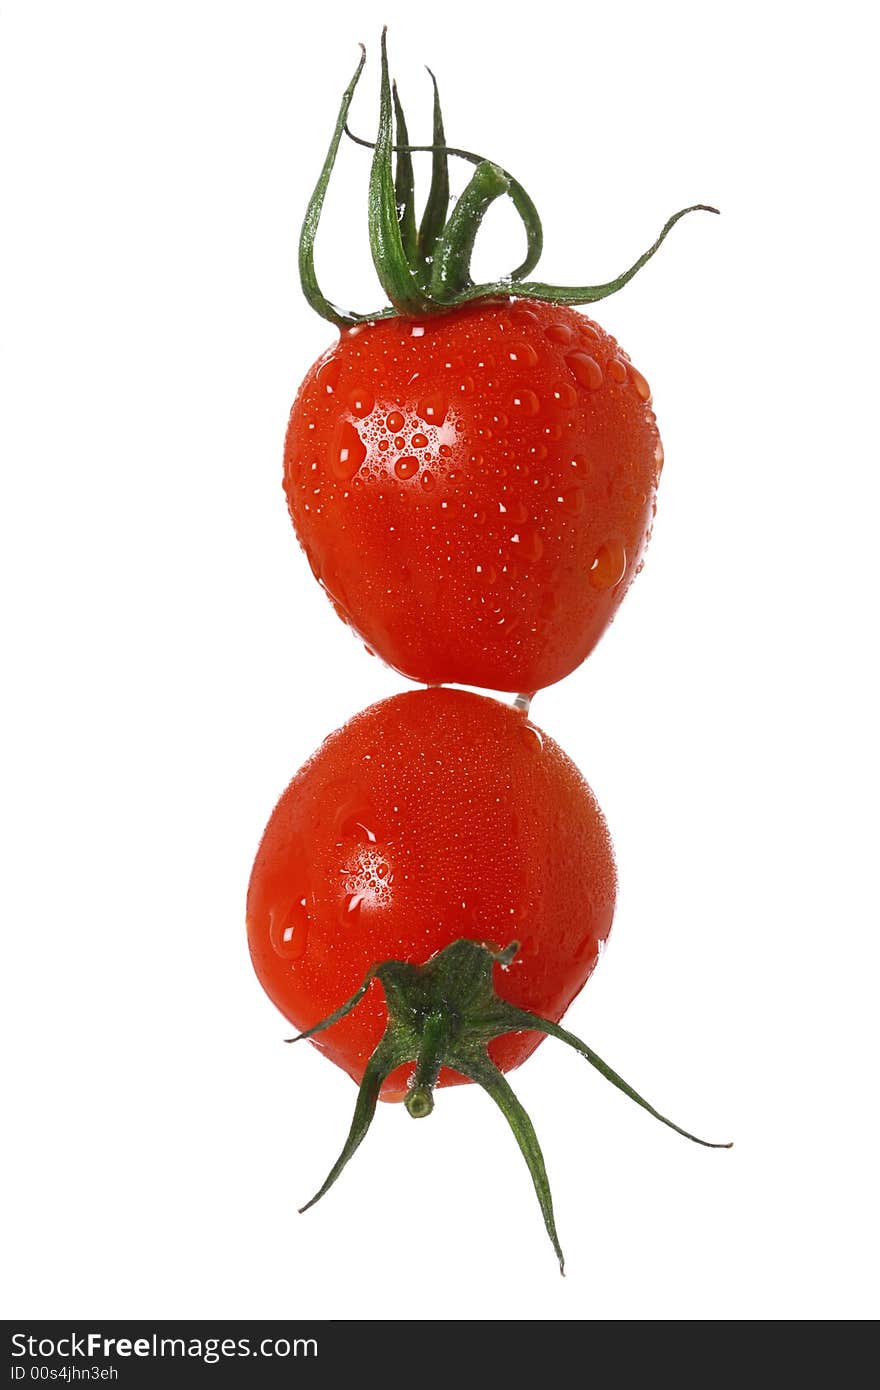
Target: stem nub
445,1013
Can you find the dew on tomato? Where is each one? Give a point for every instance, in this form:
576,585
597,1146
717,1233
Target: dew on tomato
585,369
616,370
609,566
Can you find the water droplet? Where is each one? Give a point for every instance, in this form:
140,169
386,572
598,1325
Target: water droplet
360,401
394,422
433,408
351,908
525,401
406,466
417,330
573,500
609,566
564,395
585,369
526,318
466,385
419,441
487,574
643,390
356,825
532,737
659,456
514,511
328,375
523,354
579,465
428,481
501,627
616,369
289,929
349,453
529,546
559,333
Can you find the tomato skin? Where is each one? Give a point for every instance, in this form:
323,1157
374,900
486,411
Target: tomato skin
433,815
475,491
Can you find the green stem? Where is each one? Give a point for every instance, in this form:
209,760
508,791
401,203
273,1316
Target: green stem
435,1038
450,274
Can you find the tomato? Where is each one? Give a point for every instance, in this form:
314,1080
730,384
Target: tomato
430,817
474,491
472,474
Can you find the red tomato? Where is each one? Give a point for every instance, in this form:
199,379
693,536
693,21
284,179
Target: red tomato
429,817
474,492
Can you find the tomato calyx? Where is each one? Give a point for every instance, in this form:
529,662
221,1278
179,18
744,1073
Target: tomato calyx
445,1013
427,270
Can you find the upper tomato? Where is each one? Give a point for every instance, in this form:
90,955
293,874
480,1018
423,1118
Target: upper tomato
474,491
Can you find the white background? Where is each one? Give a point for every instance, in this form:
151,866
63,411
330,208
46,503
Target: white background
170,663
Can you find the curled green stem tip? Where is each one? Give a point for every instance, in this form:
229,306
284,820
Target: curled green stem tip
445,1013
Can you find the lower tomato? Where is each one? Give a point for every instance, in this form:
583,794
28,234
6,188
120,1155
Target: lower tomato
474,492
430,817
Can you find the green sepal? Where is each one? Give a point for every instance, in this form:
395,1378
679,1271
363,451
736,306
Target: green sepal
571,294
523,204
427,272
381,1064
437,205
308,278
404,183
445,1013
395,273
484,1071
509,1018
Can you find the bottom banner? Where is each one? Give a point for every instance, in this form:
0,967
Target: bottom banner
143,1353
